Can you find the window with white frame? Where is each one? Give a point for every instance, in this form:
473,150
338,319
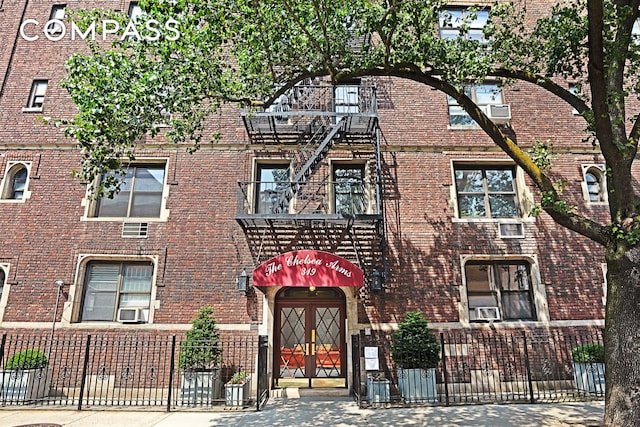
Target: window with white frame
111,286
349,190
141,194
486,191
483,95
272,188
456,22
499,290
16,182
594,187
346,99
57,13
36,96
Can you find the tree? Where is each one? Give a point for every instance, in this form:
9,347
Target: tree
245,50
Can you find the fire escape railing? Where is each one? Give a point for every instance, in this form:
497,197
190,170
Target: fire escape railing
318,197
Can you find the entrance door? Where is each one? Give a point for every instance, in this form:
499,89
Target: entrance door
310,338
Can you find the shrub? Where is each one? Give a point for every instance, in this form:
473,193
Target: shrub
588,353
30,358
414,345
201,350
238,378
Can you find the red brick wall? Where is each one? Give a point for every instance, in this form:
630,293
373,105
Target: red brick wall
201,248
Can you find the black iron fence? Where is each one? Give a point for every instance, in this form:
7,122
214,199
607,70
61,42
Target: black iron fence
131,371
486,367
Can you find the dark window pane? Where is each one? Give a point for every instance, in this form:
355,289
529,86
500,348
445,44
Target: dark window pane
100,292
145,201
19,184
500,180
272,186
503,206
471,206
469,181
517,305
349,189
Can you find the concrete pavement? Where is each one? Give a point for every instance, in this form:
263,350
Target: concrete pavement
322,411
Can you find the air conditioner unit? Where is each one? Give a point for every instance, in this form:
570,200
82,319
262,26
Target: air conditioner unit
498,113
130,315
487,313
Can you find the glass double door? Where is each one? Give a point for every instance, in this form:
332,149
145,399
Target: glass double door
310,344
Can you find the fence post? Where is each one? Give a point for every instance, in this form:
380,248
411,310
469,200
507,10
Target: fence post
355,365
527,366
85,367
445,374
2,344
172,366
262,388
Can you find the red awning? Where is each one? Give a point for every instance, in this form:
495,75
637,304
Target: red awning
308,268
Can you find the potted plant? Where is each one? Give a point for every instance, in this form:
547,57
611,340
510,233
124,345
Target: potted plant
237,389
25,376
416,352
588,367
200,357
378,388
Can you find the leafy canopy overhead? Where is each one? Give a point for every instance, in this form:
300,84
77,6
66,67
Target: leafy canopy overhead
246,51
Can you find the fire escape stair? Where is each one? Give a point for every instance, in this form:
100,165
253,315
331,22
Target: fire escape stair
310,165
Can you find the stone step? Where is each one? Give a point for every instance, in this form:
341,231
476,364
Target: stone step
296,392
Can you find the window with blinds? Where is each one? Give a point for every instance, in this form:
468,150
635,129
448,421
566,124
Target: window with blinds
110,286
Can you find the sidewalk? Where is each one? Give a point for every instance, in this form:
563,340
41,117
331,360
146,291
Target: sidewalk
325,411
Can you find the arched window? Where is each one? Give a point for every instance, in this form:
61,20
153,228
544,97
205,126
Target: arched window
3,278
15,184
594,184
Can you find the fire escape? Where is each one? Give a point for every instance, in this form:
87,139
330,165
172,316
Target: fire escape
314,198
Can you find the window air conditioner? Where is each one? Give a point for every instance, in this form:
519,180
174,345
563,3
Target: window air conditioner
498,113
487,313
130,315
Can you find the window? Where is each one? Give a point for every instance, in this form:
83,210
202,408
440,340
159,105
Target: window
575,90
36,97
455,20
484,94
140,196
3,279
16,180
505,285
346,99
349,189
57,13
134,10
272,186
486,191
110,286
594,184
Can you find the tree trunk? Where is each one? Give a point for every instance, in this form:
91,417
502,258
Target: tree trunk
622,337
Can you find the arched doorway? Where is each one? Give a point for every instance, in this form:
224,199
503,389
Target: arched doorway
309,338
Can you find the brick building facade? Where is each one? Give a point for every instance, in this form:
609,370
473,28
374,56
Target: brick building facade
408,191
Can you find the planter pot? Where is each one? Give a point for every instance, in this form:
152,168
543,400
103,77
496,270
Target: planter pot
201,387
24,385
589,377
378,391
236,395
417,385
